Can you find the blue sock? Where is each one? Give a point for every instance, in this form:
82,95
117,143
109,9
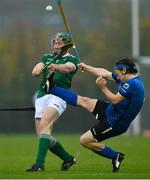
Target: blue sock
66,94
107,152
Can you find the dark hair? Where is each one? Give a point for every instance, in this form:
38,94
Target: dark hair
129,65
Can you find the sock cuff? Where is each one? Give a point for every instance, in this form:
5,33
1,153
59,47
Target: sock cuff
44,136
52,140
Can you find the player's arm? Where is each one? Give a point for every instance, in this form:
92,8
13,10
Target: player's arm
37,70
114,98
63,68
95,71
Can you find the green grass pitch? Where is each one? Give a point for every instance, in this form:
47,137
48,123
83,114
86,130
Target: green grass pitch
17,152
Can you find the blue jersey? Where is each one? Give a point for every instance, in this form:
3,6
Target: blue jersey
120,115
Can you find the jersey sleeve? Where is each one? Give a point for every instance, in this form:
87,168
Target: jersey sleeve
73,60
44,58
125,89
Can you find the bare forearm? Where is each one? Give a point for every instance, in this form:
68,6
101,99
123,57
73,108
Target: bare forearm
64,68
109,95
98,71
113,98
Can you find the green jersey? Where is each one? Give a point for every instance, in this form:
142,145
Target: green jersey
60,79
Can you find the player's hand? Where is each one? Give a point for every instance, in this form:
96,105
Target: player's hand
82,67
101,82
37,70
52,67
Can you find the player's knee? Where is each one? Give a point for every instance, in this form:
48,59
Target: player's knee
42,126
83,141
85,103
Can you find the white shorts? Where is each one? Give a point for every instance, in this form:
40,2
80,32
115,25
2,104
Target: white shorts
49,100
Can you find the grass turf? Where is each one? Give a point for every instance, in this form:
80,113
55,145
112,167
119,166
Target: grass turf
17,152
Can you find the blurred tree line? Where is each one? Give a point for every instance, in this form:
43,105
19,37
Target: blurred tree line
101,45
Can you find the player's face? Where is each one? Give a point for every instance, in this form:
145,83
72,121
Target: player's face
121,75
57,44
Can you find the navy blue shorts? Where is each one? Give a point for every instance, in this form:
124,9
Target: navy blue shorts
102,130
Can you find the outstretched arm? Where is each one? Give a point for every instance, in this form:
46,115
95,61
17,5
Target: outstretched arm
96,71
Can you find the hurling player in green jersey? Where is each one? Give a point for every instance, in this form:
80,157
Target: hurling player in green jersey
61,66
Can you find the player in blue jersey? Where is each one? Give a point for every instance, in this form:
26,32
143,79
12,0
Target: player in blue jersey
115,116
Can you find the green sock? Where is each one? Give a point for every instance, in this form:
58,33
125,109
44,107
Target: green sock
58,150
44,142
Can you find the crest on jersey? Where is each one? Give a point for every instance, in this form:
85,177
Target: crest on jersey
126,86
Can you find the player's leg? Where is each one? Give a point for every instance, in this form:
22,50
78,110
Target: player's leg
37,125
73,98
86,103
46,141
93,138
40,105
88,141
66,94
57,148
